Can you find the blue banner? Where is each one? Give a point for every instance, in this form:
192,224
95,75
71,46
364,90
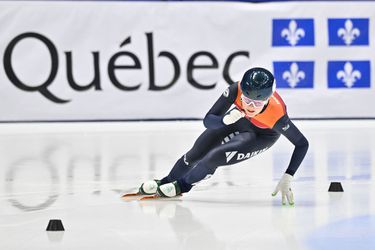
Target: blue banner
348,32
293,32
349,74
294,74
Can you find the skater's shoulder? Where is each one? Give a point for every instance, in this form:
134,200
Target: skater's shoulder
232,91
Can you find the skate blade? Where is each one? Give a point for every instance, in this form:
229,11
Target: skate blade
157,197
132,196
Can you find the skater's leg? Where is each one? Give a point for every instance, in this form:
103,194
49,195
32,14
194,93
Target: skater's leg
207,140
248,144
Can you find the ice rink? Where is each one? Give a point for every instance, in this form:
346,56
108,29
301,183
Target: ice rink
77,172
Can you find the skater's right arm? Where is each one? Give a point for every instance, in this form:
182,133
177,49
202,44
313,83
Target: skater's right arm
214,117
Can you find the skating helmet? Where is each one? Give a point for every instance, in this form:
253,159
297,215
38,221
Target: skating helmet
258,84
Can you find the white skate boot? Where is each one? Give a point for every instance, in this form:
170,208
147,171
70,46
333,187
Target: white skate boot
169,190
149,187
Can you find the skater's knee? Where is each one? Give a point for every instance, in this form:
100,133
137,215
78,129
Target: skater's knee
186,159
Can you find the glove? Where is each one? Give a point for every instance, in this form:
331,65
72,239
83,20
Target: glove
286,191
232,116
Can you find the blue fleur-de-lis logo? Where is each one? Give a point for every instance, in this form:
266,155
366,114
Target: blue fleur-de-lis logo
349,33
349,76
294,76
293,34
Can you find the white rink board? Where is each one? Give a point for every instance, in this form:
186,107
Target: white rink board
204,41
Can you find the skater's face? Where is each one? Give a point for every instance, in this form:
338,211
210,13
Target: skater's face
252,107
256,103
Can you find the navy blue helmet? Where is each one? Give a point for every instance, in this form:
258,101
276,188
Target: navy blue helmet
258,84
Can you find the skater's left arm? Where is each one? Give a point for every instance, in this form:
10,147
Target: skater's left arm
287,128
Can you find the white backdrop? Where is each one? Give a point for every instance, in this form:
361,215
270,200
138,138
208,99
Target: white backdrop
168,60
